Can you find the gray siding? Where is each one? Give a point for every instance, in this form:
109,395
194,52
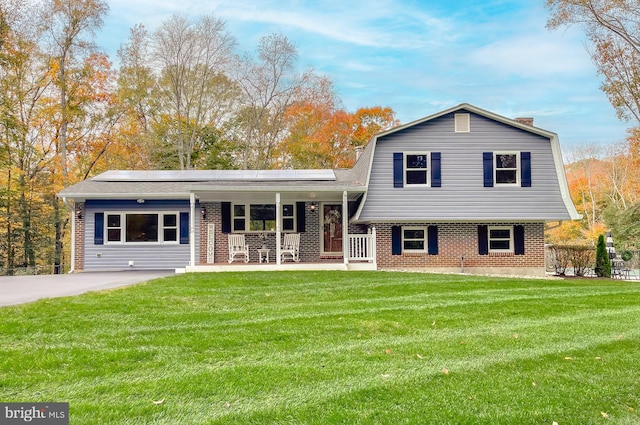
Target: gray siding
145,257
463,196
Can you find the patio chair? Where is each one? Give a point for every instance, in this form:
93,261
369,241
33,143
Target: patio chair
291,247
237,246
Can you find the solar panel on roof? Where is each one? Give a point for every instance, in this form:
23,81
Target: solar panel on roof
214,175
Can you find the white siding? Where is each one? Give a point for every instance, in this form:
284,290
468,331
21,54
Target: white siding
144,257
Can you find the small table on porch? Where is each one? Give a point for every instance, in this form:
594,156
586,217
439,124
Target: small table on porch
263,255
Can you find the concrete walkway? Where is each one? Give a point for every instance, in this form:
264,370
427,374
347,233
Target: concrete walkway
24,289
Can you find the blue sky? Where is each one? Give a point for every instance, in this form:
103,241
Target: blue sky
419,57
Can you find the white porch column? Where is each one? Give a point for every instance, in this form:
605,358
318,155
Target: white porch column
278,219
345,227
192,229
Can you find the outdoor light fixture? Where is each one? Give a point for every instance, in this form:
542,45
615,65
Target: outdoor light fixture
79,214
313,206
203,211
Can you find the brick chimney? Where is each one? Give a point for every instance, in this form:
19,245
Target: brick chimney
525,121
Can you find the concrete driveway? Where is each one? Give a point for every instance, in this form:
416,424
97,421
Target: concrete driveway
24,289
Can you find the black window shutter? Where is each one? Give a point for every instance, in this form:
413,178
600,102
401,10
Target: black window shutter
98,233
483,240
436,179
432,232
226,217
518,240
487,165
300,220
396,240
525,171
398,166
184,228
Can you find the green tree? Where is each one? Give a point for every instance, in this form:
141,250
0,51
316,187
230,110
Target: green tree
603,263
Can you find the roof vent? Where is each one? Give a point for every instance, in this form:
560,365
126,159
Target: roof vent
462,123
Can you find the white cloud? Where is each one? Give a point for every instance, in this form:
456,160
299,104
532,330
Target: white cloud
534,55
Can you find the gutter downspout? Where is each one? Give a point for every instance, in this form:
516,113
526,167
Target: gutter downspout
73,233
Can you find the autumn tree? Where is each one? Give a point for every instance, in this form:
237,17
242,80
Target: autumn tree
70,26
613,28
323,135
25,155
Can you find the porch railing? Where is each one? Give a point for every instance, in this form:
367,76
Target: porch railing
363,247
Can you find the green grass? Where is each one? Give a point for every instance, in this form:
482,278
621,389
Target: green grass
330,348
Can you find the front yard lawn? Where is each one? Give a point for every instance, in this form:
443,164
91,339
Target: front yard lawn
332,348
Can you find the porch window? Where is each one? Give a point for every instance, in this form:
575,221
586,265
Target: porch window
288,218
262,217
239,218
142,227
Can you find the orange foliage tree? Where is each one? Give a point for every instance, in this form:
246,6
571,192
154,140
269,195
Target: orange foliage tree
321,136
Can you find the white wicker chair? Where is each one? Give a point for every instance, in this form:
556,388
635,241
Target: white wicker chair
237,246
291,247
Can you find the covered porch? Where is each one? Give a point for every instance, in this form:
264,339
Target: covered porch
262,218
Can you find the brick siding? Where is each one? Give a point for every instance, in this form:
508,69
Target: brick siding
455,240
79,218
309,240
458,240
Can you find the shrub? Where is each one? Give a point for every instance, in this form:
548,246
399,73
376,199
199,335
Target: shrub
564,256
582,258
603,263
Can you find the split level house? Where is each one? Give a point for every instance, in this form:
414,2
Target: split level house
463,190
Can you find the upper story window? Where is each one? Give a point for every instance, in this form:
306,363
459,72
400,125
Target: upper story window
507,167
262,217
416,168
141,227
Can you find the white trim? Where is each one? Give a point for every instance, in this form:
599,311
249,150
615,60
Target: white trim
562,179
511,242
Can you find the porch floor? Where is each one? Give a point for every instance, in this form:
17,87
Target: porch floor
255,266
